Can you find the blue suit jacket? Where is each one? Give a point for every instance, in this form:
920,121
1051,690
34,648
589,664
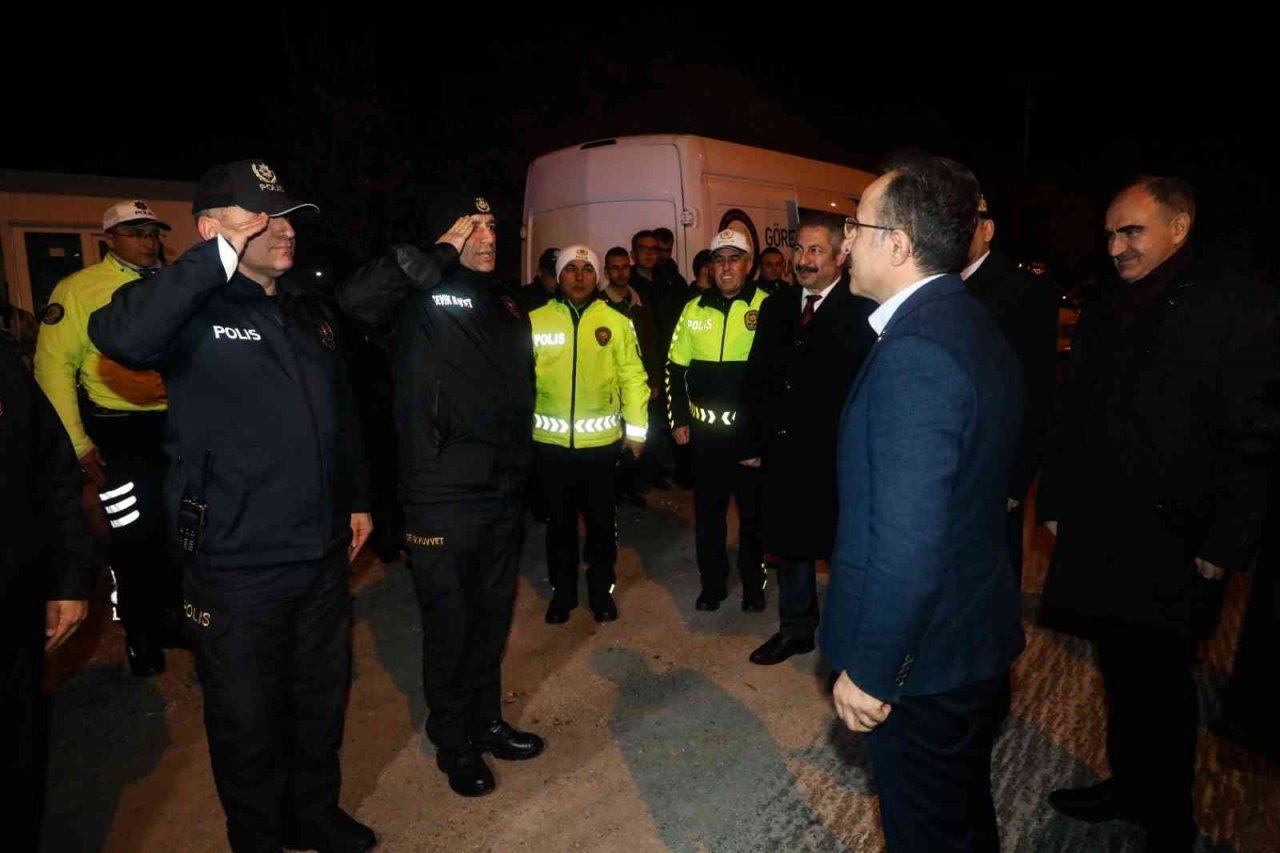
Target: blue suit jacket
922,598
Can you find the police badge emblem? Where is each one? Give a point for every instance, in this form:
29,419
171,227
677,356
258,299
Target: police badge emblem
53,314
750,319
603,336
263,173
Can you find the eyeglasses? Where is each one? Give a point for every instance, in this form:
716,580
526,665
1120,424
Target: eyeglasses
138,234
852,225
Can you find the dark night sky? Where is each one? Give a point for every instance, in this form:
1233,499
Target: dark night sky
368,117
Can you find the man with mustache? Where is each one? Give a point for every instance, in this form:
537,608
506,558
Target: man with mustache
808,348
1154,484
266,500
706,364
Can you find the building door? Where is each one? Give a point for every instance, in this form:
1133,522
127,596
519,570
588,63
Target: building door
51,257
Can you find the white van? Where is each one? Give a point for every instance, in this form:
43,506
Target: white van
600,193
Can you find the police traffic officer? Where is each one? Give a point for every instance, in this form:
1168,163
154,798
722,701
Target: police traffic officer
46,573
705,368
265,493
117,430
464,405
592,392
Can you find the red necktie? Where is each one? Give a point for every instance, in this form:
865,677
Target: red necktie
810,300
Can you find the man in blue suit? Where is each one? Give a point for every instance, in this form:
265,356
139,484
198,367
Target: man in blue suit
923,610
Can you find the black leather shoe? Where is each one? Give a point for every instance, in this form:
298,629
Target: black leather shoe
557,613
467,772
336,832
145,658
603,608
502,741
753,603
778,648
707,601
1094,803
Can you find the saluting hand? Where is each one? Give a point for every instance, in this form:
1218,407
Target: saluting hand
457,235
240,233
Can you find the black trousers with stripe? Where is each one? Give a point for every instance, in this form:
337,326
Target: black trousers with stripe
148,582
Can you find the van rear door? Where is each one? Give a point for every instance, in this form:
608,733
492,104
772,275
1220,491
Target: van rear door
601,194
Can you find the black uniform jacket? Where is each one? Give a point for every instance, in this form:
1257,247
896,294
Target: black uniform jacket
261,427
463,361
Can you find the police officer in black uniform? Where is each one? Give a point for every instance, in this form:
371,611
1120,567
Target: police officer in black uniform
464,409
46,573
265,494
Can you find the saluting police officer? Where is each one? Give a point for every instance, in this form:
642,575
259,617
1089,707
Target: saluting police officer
119,432
592,391
464,407
706,365
266,496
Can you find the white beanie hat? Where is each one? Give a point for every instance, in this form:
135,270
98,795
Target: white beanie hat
577,253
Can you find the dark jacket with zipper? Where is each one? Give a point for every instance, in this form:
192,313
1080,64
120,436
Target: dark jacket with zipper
46,551
463,361
261,425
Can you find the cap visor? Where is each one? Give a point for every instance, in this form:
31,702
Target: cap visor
144,221
285,206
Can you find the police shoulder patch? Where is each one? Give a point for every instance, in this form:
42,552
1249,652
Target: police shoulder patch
325,331
512,308
603,336
751,318
53,313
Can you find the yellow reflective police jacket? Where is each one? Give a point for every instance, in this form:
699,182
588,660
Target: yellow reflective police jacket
591,384
66,358
708,358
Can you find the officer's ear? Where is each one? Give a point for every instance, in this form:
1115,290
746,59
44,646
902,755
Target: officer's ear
207,226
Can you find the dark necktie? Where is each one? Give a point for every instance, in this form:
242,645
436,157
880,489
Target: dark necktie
810,300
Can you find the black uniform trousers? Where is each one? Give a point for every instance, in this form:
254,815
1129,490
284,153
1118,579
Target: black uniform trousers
24,719
273,652
718,475
797,598
932,763
1152,714
573,481
148,583
464,556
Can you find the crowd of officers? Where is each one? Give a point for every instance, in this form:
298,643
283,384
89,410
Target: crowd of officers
211,412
